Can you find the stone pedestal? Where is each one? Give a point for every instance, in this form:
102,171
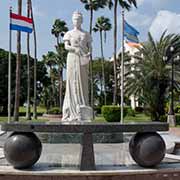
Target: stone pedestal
172,120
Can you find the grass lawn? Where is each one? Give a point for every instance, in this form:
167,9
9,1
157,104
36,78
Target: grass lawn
39,109
138,118
23,119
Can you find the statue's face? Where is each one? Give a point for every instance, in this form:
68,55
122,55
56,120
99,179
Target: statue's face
77,21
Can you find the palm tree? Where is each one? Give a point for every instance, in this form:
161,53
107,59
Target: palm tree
58,30
18,66
93,5
102,25
125,4
61,62
149,77
50,61
28,110
35,64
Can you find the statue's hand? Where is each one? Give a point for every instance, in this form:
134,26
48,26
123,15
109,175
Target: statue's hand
77,50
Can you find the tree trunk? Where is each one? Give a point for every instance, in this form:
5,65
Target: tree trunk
28,110
60,78
102,64
60,87
18,66
35,66
53,87
115,52
91,63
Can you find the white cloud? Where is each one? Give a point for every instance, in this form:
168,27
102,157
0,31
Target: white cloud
140,2
38,12
138,19
165,20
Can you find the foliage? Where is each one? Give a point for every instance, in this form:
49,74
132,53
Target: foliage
177,109
96,4
58,29
177,119
102,25
163,118
42,78
113,113
97,76
139,109
149,77
131,112
54,110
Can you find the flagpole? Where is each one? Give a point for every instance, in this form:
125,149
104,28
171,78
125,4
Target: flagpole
9,68
122,68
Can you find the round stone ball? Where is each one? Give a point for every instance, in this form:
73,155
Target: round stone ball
147,149
22,149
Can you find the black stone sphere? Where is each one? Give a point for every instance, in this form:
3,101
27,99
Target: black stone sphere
22,149
147,149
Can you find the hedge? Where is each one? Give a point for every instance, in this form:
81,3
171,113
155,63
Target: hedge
113,113
54,110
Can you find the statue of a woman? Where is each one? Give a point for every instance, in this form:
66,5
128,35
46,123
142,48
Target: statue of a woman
78,44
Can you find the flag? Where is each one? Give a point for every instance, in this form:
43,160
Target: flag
130,33
21,23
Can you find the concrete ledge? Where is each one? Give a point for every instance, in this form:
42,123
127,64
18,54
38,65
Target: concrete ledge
76,138
164,172
85,127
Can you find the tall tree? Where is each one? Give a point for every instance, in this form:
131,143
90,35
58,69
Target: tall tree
61,62
97,76
149,77
58,30
28,110
102,25
125,4
35,64
18,66
92,5
50,61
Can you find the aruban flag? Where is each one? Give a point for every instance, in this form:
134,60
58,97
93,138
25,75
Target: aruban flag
21,23
130,33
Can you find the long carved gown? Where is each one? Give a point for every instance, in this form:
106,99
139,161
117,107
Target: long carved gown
76,94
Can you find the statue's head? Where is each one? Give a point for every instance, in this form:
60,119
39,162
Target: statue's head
77,19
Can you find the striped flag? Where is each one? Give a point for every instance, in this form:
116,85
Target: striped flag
21,23
130,33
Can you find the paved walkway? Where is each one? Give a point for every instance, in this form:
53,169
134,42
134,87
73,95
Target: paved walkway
175,131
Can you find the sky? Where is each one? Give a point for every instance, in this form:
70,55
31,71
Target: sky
151,15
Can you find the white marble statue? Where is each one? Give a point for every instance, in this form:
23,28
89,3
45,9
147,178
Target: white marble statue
78,44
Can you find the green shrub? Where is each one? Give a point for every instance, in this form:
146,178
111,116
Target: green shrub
54,110
139,109
178,119
163,118
113,113
131,112
177,109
